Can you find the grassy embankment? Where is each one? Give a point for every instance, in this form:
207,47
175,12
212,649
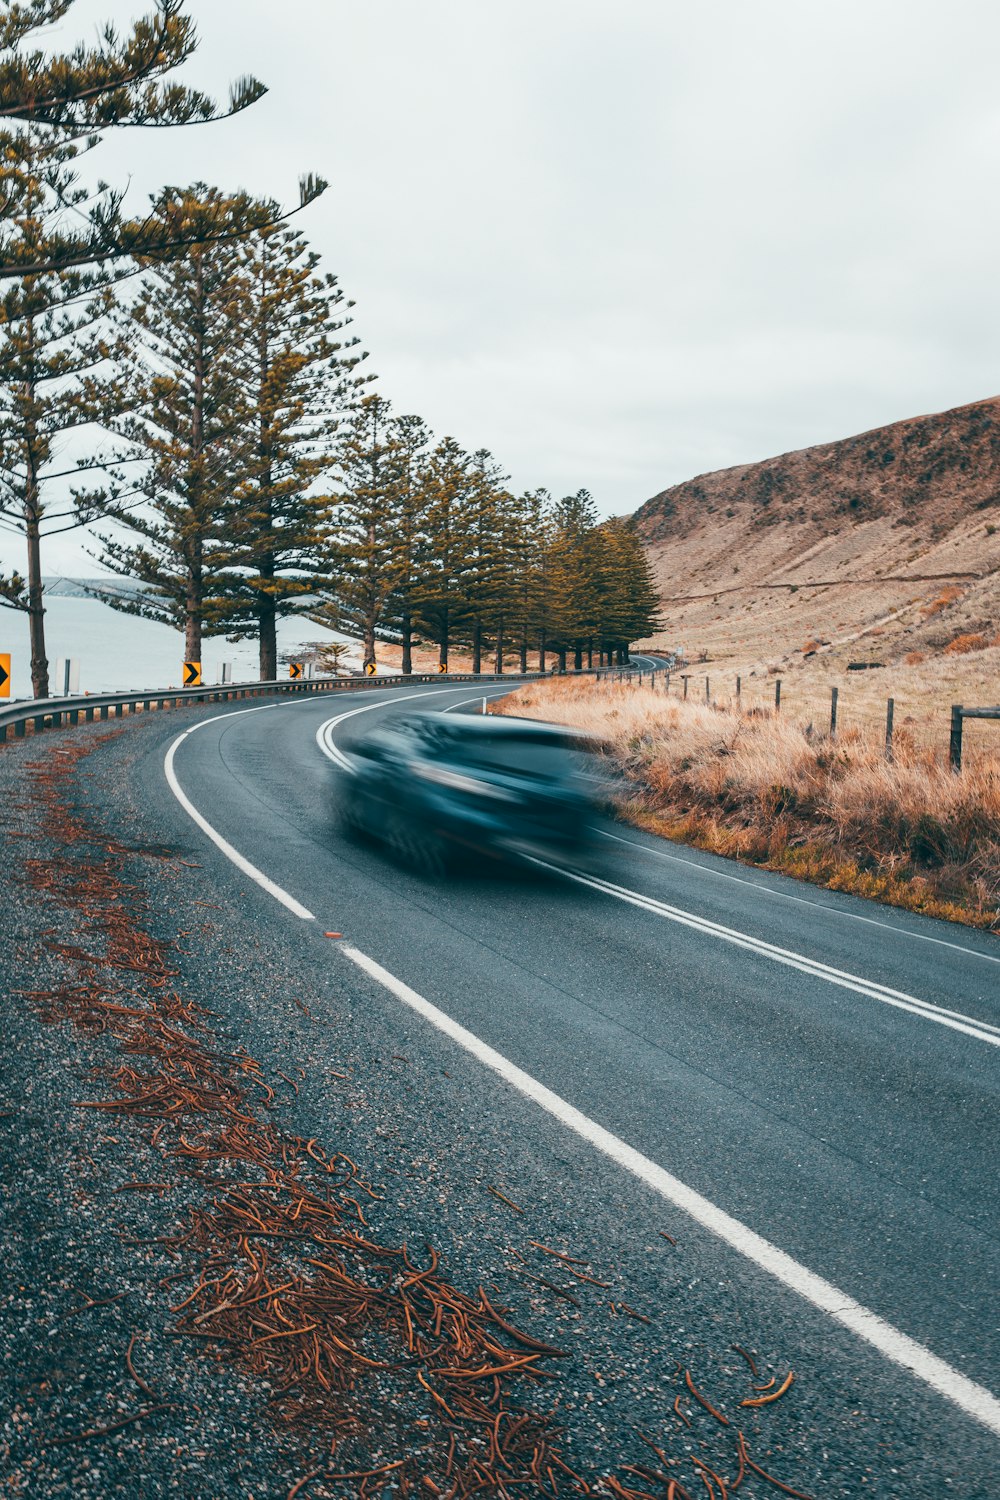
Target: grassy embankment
771,791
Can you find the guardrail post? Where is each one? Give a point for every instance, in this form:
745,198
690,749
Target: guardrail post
955,744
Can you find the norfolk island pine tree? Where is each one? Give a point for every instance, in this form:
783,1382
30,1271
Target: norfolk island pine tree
53,109
299,375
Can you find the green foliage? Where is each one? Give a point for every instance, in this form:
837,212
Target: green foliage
58,386
191,418
299,370
412,438
487,579
441,600
56,105
369,556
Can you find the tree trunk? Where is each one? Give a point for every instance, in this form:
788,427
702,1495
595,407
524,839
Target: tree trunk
267,616
33,533
590,654
368,653
267,619
193,601
524,654
192,625
371,617
36,610
443,644
498,659
541,652
578,656
477,646
407,631
561,658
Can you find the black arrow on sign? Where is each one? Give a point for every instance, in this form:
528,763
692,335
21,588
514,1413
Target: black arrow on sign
4,677
191,673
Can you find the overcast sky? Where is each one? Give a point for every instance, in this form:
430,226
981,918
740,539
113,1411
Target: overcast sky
622,242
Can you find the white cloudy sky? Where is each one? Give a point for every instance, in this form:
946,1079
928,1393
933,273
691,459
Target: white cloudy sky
621,242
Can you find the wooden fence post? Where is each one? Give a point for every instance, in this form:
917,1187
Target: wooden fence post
834,695
890,714
708,693
685,682
738,686
777,695
955,744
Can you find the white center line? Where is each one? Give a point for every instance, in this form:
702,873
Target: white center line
973,1399
982,1031
768,890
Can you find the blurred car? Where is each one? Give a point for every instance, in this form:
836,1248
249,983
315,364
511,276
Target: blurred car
432,785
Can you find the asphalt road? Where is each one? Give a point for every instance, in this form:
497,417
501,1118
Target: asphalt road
822,1070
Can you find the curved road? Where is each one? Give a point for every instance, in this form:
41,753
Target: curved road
800,1086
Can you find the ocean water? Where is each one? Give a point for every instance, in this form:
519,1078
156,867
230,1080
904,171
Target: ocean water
119,654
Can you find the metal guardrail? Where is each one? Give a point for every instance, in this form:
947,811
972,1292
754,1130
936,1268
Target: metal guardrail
56,713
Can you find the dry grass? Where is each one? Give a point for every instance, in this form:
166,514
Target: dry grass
766,789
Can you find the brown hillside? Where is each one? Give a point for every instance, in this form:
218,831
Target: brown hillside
880,544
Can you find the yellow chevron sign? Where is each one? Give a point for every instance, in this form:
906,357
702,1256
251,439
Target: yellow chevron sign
295,670
442,666
371,669
192,674
4,675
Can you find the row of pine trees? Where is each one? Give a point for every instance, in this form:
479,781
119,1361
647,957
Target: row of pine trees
187,387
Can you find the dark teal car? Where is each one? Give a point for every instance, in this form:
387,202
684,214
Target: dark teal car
432,787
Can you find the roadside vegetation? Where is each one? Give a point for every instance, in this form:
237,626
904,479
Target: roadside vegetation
771,790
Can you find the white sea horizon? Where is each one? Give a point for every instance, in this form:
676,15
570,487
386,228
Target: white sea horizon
120,653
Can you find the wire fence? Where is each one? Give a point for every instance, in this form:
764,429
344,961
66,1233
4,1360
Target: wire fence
825,717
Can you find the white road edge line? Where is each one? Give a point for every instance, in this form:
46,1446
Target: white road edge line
767,890
295,907
983,1031
973,1399
324,734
